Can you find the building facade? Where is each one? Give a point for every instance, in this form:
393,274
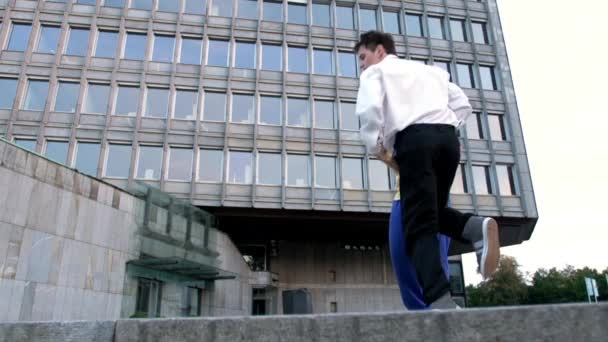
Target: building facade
246,108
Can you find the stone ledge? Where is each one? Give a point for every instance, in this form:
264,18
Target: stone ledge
570,322
77,331
547,323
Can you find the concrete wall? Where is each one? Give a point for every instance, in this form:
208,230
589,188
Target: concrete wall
584,322
233,296
65,239
364,279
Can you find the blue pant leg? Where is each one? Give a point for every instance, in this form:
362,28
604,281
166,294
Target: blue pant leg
411,292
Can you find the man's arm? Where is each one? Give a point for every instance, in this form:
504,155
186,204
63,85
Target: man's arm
369,108
459,103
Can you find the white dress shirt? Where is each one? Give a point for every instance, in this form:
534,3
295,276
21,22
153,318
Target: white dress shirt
397,93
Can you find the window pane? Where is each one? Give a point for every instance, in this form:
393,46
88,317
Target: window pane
191,51
419,60
298,170
298,59
67,96
240,168
436,27
473,126
163,49
106,44
57,151
367,19
324,63
27,144
248,9
345,18
135,48
321,15
142,4
324,114
269,168
149,162
96,101
87,158
180,164
296,14
272,57
352,173
218,53
87,2
497,127
488,77
271,110
445,66
19,37
211,165
78,42
222,8
9,90
273,11
480,34
325,172
243,108
245,55
195,6
458,30
459,184
391,22
506,185
481,179
349,118
298,112
127,101
49,38
119,161
157,103
456,281
215,107
348,64
186,103
413,25
378,175
114,3
465,75
36,95
168,5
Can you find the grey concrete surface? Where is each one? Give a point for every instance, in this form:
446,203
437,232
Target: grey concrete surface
98,331
580,322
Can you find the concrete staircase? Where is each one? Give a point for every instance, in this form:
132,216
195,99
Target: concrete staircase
572,322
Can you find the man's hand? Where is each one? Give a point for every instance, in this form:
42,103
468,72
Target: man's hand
387,158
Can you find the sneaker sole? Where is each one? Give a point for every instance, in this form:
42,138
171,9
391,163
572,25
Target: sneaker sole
491,248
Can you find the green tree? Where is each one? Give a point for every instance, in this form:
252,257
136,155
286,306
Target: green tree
506,287
565,286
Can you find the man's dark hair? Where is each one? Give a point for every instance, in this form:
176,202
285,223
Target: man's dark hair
371,39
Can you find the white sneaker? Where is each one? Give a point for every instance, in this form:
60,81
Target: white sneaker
487,247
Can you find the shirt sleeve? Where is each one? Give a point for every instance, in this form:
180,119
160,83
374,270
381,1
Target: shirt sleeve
370,101
459,103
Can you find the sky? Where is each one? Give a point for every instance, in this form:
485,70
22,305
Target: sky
557,50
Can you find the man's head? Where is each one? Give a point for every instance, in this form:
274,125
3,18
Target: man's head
373,46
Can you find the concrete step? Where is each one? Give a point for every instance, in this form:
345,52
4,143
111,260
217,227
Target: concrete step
571,322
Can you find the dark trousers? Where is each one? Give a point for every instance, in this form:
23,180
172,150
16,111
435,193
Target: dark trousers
428,156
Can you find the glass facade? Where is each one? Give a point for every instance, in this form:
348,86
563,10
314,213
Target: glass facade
213,92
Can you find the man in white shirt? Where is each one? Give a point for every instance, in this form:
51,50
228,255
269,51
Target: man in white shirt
411,111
